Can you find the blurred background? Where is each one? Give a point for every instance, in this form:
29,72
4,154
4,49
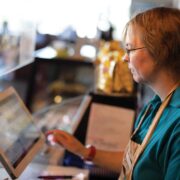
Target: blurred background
49,49
83,16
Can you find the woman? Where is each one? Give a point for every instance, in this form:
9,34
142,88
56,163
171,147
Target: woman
152,41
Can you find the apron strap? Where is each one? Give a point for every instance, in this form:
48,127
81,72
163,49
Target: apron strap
142,119
152,127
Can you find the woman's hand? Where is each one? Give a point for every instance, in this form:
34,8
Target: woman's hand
111,160
68,141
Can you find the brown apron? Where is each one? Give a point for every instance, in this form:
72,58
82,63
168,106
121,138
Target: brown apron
134,150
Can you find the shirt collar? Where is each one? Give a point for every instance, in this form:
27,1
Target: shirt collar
175,100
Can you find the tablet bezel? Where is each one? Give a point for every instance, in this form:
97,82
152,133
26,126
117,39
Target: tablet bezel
15,172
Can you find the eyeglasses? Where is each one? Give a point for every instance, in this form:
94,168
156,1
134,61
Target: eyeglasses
134,49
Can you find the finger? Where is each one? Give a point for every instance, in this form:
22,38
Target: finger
57,141
61,133
58,134
53,131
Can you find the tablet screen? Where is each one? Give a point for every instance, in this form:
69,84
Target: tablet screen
17,131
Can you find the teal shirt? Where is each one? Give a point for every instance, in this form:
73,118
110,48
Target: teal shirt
161,158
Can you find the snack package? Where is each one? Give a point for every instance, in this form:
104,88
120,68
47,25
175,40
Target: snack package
112,74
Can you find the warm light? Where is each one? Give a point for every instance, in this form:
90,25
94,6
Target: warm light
88,51
47,52
57,99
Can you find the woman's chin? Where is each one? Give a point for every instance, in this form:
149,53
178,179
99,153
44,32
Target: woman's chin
137,79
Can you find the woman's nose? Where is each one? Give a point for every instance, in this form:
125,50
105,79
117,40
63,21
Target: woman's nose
125,58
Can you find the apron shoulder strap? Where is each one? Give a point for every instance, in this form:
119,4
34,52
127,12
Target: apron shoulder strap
152,127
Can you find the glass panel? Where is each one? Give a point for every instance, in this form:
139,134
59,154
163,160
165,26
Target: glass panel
17,42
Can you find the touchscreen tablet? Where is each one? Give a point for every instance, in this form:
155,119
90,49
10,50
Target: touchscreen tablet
20,139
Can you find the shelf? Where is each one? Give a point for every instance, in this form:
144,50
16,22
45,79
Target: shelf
6,69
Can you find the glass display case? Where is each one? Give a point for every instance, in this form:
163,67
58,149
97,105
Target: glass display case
54,80
65,116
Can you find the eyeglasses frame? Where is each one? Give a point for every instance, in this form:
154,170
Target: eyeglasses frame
128,51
